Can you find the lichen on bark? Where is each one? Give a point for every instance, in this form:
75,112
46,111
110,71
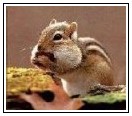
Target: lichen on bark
24,79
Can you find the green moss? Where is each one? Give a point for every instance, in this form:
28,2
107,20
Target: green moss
110,98
23,79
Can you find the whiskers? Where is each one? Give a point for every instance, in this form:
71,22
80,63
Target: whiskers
25,49
24,55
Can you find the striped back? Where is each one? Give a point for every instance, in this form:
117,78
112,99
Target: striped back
92,46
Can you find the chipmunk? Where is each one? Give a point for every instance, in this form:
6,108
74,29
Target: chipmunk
80,63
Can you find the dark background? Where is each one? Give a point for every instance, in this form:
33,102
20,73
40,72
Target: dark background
105,23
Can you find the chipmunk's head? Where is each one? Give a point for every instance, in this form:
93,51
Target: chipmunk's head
56,49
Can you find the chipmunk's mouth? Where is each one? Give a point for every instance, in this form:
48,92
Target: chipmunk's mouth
43,60
37,63
47,54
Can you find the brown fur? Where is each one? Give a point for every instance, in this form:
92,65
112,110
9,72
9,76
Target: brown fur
79,66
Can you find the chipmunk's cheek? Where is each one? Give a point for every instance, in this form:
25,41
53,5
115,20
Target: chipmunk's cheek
68,57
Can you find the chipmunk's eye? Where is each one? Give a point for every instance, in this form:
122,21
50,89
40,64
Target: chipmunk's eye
57,37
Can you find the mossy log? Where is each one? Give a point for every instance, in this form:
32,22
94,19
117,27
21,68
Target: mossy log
26,80
22,79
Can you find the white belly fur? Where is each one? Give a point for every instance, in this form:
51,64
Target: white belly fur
78,82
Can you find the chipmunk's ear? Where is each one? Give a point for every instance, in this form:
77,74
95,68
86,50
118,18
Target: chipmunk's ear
72,30
73,27
53,21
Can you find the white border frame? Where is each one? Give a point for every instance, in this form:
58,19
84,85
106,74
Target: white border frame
45,4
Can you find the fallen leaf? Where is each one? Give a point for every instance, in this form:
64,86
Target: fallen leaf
61,100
